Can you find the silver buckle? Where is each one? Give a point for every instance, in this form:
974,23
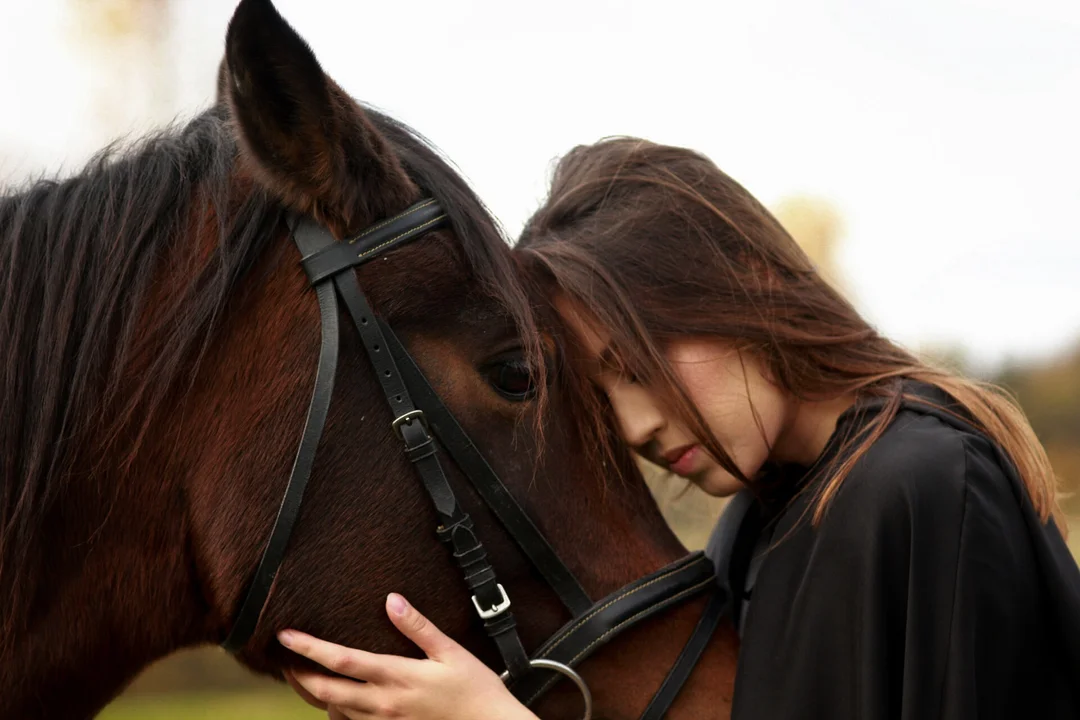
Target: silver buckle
498,609
407,419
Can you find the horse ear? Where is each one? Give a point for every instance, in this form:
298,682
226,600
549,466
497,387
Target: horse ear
305,138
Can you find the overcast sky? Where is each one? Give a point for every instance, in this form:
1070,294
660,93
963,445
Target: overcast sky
947,133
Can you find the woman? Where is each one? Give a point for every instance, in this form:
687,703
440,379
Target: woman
909,560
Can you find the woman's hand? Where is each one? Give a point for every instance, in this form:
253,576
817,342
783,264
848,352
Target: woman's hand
451,683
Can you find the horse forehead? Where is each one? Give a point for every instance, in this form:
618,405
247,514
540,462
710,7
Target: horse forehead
445,306
448,348
428,280
489,314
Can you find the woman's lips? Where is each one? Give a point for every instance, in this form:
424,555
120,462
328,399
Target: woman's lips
682,460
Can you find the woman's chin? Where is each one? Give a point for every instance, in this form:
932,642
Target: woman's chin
718,483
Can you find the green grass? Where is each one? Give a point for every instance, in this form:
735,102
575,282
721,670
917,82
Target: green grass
271,704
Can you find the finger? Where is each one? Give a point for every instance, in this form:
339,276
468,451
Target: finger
342,693
302,691
342,660
334,713
418,628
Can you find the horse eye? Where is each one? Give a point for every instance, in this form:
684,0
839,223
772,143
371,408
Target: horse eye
513,379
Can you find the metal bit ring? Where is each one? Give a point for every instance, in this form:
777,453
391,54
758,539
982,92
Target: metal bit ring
567,671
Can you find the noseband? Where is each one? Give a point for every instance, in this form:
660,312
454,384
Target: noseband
427,429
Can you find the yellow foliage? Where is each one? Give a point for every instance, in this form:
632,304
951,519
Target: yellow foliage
817,226
109,18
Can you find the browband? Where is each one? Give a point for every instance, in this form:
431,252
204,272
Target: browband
408,225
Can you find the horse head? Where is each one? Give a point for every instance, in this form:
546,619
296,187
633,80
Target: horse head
162,340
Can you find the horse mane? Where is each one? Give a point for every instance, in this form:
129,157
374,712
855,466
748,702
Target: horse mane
79,259
77,265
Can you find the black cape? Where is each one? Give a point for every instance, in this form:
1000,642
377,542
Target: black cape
931,589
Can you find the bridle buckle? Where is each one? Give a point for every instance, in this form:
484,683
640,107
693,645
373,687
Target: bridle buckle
498,609
407,419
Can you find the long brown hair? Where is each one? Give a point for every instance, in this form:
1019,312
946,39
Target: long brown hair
658,243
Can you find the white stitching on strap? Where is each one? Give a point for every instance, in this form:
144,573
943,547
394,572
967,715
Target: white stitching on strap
394,239
628,621
386,222
611,602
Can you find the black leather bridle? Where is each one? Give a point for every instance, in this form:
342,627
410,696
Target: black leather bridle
419,418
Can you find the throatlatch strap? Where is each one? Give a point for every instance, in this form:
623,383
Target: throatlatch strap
308,237
715,611
577,640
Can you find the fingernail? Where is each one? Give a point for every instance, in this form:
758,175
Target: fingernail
286,637
397,604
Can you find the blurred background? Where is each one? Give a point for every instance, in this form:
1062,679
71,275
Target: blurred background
924,153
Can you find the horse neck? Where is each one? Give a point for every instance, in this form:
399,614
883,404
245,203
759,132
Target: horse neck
112,588
113,593
107,584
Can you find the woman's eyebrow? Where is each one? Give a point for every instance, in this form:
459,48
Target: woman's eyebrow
608,359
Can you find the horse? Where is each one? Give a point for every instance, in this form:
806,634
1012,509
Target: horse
160,340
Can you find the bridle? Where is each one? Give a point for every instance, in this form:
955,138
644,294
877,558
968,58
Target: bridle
426,427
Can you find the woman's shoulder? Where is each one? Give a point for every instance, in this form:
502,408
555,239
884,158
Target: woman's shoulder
922,468
917,453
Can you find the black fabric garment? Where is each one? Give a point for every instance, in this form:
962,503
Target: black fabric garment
930,589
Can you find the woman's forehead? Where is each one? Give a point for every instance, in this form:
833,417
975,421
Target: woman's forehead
593,336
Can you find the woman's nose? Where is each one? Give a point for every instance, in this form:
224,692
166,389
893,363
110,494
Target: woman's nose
639,416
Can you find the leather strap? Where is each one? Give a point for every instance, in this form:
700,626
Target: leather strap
411,426
404,227
626,607
718,606
506,508
308,238
382,360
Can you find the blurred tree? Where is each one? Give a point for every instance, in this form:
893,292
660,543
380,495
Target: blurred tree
949,356
1049,393
818,228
